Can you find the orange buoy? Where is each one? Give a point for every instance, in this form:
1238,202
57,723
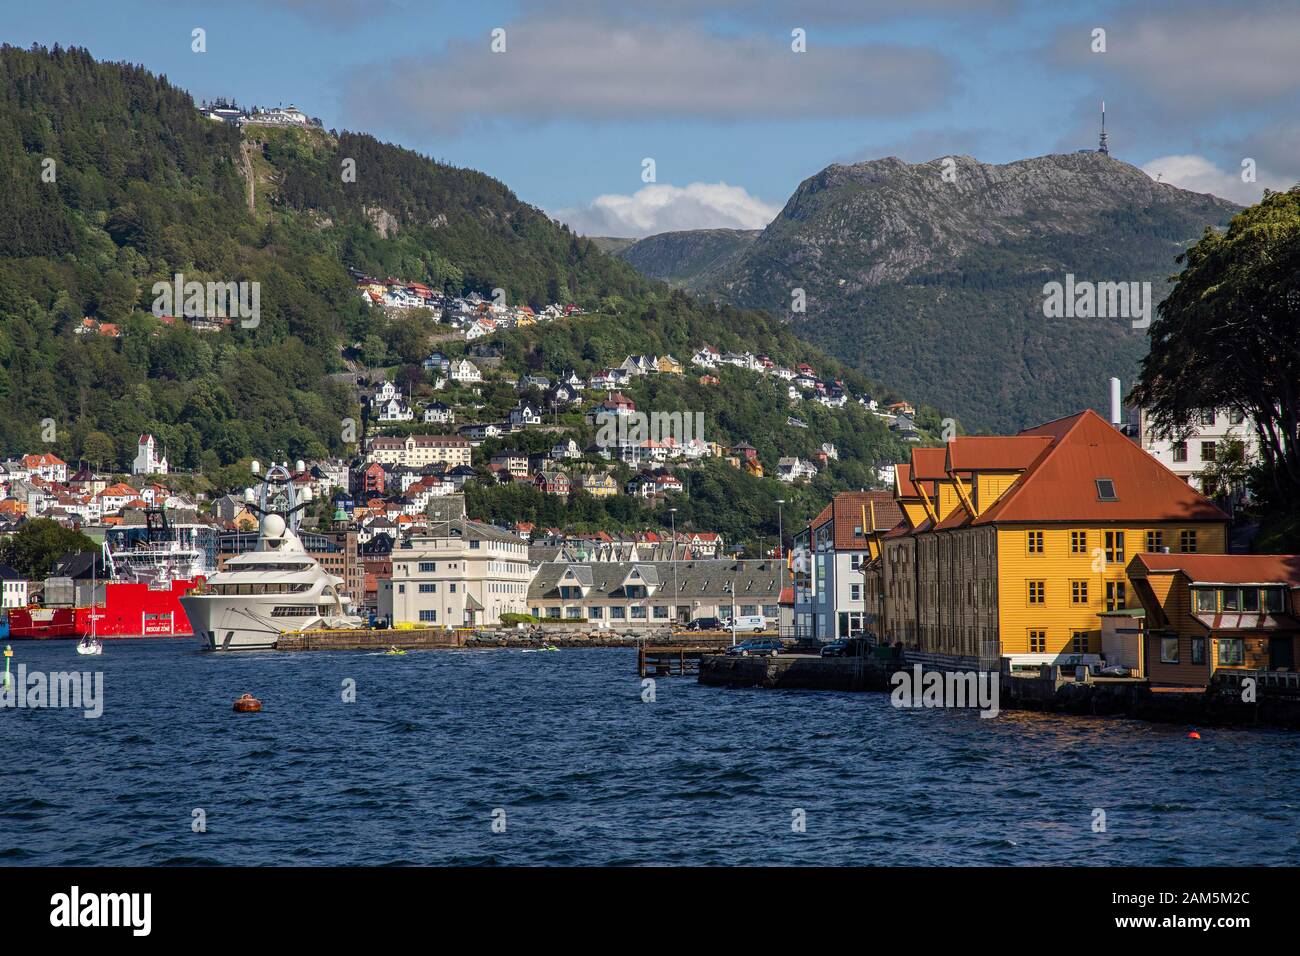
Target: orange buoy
248,704
1194,735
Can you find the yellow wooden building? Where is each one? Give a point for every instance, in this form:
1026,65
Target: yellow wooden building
1014,545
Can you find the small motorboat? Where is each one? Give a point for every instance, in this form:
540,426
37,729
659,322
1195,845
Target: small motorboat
395,651
542,649
89,645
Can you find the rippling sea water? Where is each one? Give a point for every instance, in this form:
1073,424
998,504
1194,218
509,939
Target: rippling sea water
587,773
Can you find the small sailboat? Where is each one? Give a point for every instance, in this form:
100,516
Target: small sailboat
90,644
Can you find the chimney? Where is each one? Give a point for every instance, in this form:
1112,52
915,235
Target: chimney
1116,403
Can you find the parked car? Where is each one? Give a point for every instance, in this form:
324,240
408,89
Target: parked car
706,624
847,647
756,647
755,623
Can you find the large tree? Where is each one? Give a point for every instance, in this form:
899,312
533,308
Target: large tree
1228,336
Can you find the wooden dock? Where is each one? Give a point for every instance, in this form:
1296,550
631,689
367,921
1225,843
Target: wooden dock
677,658
372,639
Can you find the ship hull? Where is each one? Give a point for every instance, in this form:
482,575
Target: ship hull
225,625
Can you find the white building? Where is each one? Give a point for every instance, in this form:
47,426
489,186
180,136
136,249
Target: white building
13,588
1188,455
460,573
465,371
147,460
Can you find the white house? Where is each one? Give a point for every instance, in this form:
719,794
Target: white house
465,371
793,469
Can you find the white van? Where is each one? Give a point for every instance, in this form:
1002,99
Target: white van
756,623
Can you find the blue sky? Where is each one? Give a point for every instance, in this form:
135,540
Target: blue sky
712,91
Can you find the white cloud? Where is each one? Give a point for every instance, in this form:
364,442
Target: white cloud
1200,175
609,71
1194,59
659,207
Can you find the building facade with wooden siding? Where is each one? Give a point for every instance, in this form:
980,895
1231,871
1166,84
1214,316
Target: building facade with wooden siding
1015,545
1212,612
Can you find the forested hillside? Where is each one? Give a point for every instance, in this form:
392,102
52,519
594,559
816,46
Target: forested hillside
145,186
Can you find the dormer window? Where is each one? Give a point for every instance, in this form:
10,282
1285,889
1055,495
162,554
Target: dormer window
1106,490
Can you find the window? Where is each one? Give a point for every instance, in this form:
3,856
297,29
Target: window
428,567
452,588
1169,650
1205,600
1038,642
1106,490
1078,542
1080,642
1232,651
1037,591
595,612
1078,592
1207,451
1207,416
428,616
1230,599
428,589
1272,600
1180,451
1187,542
1155,540
1198,650
618,613
1115,595
1250,600
661,612
473,545
1237,416
855,592
771,611
1114,547
1035,542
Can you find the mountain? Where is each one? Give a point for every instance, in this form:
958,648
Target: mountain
693,259
935,284
141,186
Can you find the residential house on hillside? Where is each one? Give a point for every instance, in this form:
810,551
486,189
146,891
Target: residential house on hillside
465,372
792,469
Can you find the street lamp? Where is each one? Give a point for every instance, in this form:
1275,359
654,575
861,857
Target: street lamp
672,514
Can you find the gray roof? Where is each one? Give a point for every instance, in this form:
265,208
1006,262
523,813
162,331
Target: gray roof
759,580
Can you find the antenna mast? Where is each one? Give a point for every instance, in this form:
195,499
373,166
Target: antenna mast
1101,147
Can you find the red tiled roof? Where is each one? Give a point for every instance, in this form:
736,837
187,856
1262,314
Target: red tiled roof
1226,568
929,464
995,453
1061,484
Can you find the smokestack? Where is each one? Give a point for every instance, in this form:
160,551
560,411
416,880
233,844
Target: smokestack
1116,403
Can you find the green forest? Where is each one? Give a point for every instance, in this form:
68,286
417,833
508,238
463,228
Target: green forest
116,181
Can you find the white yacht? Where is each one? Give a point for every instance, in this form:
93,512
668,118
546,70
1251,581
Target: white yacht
274,588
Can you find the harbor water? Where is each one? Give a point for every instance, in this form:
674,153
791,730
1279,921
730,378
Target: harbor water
506,757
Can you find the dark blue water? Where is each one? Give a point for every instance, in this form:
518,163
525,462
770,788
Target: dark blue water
589,774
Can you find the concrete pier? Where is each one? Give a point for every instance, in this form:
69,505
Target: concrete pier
1221,704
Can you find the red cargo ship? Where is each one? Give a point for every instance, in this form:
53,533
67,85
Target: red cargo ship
129,610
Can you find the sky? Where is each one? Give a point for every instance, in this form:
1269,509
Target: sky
631,118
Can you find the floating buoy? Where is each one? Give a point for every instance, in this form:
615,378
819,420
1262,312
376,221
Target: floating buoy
248,704
1194,735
